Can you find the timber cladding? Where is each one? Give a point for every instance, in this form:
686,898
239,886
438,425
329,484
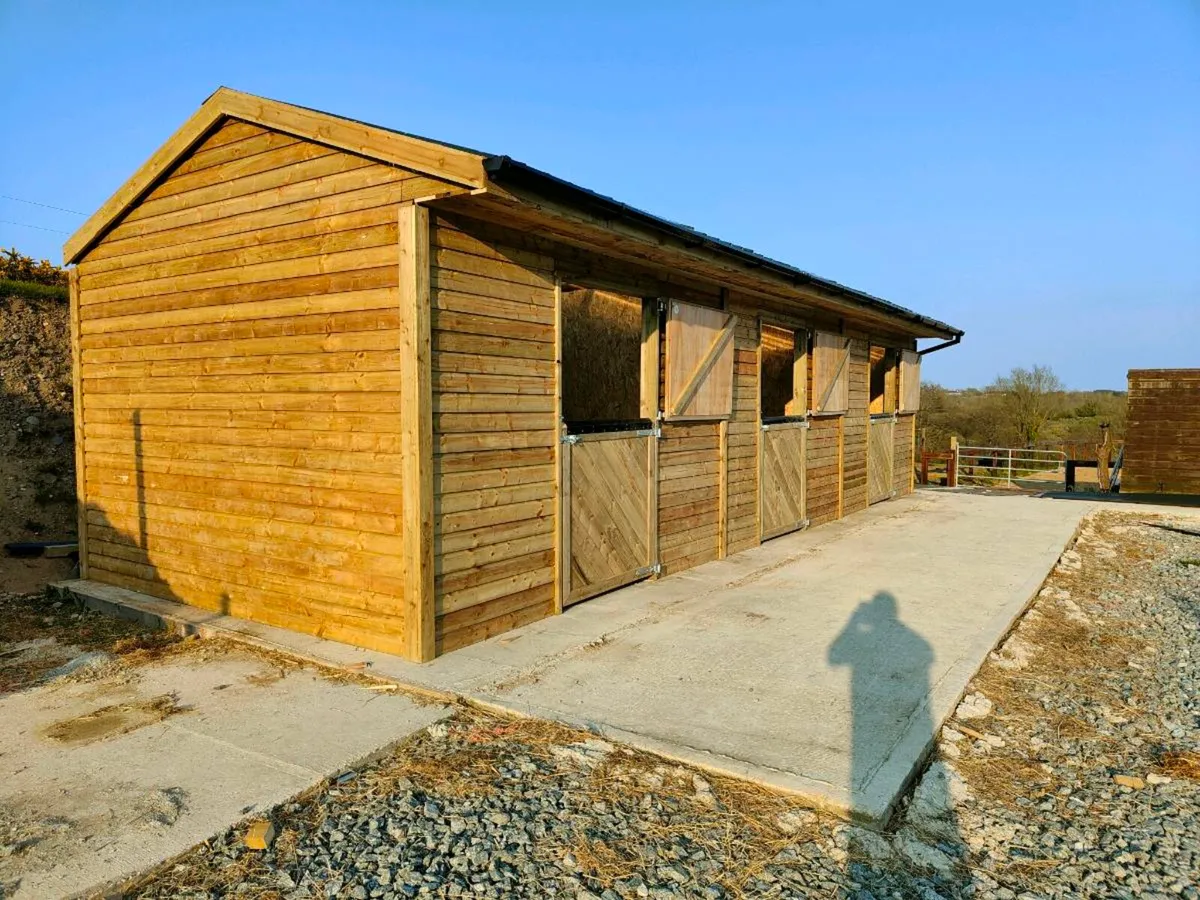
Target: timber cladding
240,387
689,498
824,469
903,454
321,383
742,435
1162,432
855,429
493,336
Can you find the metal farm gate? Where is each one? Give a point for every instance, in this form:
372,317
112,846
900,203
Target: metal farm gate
782,480
881,449
610,511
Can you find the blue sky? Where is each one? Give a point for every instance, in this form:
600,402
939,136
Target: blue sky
1027,171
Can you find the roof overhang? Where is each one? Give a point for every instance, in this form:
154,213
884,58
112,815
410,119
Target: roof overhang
517,194
454,164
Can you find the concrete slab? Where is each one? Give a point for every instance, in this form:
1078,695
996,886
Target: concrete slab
821,663
828,667
97,805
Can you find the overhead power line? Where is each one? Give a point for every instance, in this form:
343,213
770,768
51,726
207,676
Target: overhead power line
73,212
38,227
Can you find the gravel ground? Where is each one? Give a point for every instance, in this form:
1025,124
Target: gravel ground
1071,769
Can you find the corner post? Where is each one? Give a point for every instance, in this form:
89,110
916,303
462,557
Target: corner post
77,412
561,461
416,434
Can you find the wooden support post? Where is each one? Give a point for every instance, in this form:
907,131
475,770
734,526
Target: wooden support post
652,503
560,507
758,441
841,466
723,500
564,569
77,395
416,434
651,361
651,397
912,469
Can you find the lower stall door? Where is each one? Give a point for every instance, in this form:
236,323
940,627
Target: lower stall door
881,448
609,514
782,479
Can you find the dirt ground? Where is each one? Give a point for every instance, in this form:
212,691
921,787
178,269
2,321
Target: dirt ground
38,634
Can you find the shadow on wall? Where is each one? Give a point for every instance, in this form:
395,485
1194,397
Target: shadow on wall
127,558
889,688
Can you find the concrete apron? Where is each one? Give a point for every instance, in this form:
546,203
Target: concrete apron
104,793
822,663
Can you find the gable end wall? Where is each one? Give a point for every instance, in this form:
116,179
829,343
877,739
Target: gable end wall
238,344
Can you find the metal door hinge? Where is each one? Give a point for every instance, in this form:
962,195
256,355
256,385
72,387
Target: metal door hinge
570,439
655,569
650,432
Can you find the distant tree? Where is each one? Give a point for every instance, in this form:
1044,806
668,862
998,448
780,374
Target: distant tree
1030,398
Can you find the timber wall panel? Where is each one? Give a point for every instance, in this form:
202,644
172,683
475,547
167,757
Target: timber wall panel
743,436
855,428
902,458
823,473
494,431
240,403
1162,432
689,481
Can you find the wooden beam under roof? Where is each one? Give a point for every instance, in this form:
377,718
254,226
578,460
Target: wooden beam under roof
504,205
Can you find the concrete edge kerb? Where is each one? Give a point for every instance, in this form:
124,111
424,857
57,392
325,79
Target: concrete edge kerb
960,674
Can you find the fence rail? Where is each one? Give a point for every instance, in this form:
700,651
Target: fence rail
1006,465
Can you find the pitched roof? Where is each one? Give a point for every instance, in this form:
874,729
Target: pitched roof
471,169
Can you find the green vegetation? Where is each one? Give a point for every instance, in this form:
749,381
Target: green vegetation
1026,408
31,290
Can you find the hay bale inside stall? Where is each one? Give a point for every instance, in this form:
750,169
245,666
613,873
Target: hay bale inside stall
602,353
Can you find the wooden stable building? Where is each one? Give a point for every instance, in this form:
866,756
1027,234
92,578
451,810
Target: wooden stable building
1162,433
373,387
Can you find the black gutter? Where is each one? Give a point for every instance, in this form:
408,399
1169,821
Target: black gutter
506,170
936,347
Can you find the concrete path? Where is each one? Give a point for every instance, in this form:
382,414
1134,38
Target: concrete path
821,662
91,802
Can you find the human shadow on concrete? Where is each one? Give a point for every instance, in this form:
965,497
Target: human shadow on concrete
890,666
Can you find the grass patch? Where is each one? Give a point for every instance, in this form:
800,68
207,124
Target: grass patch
31,290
